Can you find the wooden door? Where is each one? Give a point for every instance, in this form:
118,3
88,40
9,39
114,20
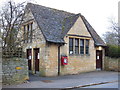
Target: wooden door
29,57
36,53
98,59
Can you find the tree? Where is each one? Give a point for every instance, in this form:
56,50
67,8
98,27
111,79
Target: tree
10,20
11,17
112,39
113,51
112,36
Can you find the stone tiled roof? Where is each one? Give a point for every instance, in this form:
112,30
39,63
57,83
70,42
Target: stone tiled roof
98,41
68,23
55,24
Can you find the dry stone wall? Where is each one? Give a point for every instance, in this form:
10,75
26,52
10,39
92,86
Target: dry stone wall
15,70
112,64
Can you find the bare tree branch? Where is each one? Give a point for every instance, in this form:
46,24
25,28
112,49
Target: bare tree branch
112,36
11,18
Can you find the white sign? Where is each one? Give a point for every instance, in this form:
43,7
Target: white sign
65,60
38,56
71,52
30,57
98,57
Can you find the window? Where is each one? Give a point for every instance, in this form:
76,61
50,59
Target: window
31,32
87,46
28,33
76,46
24,33
81,46
70,45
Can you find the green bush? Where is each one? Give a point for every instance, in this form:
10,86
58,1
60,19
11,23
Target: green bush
113,51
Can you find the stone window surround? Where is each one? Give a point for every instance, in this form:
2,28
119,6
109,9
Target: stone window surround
80,38
25,27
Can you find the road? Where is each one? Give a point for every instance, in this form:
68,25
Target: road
96,79
107,85
113,84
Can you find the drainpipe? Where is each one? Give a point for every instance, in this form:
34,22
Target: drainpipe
59,64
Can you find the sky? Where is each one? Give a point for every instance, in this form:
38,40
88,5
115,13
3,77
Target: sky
97,12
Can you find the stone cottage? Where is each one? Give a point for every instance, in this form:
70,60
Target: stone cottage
51,36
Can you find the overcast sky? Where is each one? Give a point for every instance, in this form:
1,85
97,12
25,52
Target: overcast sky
96,12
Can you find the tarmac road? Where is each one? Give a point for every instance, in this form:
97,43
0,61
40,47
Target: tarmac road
107,85
103,79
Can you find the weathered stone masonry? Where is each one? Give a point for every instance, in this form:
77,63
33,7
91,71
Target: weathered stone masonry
112,64
15,70
51,29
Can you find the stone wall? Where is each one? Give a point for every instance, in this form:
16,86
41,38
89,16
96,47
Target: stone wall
51,62
78,63
48,53
15,70
38,41
111,64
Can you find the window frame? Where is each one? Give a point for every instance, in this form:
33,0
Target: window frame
82,44
76,45
31,32
87,47
28,32
24,33
71,45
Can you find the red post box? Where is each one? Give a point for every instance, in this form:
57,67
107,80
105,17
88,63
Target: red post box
64,60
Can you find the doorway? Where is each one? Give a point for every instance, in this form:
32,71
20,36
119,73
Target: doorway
36,58
99,59
29,57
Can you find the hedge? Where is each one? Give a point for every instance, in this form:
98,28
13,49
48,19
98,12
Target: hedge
113,51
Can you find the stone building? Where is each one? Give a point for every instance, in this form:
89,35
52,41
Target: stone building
51,36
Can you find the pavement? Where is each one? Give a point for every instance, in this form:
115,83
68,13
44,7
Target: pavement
89,79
